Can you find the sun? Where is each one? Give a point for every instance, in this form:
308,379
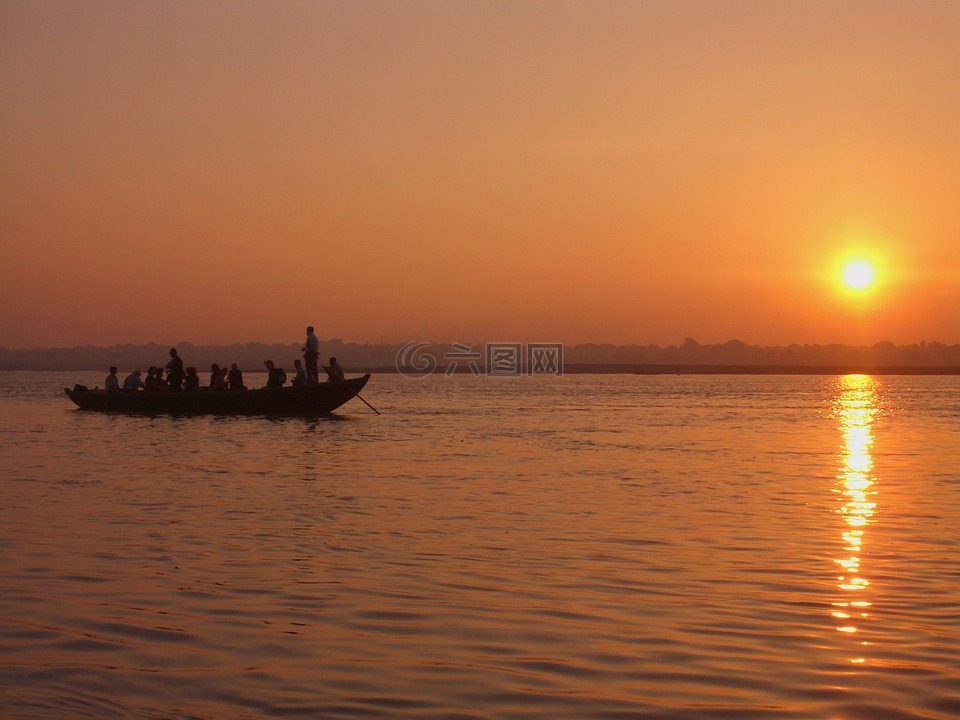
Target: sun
858,275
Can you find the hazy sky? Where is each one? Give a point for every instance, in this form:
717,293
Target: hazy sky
625,172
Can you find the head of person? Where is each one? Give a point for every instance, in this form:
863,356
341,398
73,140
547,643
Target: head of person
113,369
233,366
309,329
333,361
296,363
173,352
214,368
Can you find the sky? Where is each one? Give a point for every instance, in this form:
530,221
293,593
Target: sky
531,171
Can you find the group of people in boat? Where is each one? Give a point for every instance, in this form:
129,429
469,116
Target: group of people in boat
174,377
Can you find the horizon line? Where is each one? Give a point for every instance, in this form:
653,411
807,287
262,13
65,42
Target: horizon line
373,343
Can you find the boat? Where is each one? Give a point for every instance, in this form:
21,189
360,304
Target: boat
314,399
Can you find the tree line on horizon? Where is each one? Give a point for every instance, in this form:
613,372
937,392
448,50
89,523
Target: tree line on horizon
356,357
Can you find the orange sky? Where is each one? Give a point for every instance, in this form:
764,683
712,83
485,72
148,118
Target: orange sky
624,172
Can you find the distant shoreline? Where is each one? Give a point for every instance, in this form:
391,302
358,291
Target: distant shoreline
688,358
677,369
627,369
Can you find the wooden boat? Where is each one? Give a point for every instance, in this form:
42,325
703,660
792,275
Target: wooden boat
316,399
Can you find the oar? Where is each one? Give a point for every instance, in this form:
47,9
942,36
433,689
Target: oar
356,394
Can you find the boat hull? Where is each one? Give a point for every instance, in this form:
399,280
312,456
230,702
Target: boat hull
317,399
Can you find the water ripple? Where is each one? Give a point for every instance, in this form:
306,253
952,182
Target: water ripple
618,547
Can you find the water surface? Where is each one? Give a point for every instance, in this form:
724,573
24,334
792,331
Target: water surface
586,547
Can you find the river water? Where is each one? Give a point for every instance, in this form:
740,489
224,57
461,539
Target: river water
657,547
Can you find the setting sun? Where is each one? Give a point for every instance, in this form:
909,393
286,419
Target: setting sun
858,275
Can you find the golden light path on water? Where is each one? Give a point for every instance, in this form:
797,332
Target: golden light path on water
855,408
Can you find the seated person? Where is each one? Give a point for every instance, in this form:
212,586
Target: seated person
152,383
334,371
235,378
276,377
133,381
300,378
112,382
175,373
192,380
216,378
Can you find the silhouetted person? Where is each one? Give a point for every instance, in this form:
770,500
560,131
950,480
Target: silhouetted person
175,373
334,371
192,380
133,381
311,354
235,378
112,382
276,377
153,383
216,378
300,377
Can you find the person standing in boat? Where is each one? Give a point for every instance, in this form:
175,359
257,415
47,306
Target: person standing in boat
175,373
334,371
133,382
112,382
311,353
276,377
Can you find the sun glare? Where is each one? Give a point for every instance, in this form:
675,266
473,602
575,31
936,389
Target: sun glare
858,275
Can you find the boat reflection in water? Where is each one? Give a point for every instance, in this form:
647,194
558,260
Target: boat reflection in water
855,407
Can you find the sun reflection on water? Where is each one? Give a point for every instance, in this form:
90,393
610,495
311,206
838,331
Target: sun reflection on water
855,407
